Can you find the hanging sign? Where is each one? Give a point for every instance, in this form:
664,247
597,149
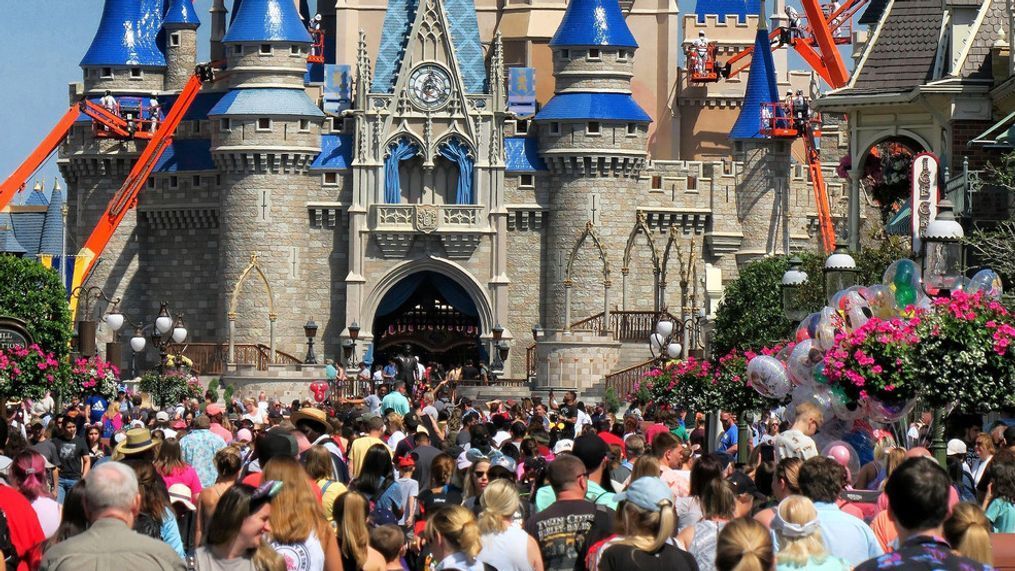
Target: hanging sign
13,332
924,181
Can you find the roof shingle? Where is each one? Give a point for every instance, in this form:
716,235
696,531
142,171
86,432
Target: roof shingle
902,57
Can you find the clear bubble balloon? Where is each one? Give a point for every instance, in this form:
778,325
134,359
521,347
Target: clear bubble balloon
987,281
843,454
802,361
768,376
820,378
828,327
783,355
833,429
817,394
856,310
808,327
889,411
881,301
844,407
903,279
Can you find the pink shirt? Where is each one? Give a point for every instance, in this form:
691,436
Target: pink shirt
186,476
217,428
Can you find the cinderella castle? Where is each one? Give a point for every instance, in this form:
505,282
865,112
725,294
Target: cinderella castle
522,183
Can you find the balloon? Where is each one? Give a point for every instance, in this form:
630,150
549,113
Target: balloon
856,310
783,355
319,389
843,454
819,374
901,273
844,407
817,394
807,327
768,376
832,430
905,296
881,301
801,362
889,411
831,323
987,281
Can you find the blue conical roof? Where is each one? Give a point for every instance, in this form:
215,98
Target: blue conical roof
127,35
593,23
36,198
8,243
52,228
181,13
761,88
267,21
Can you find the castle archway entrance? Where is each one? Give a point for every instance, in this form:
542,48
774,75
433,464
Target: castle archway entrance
434,315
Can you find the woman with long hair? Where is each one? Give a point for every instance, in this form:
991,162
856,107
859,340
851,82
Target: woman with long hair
376,481
871,475
706,469
318,464
454,539
1000,501
28,476
744,545
967,530
299,531
73,519
170,465
501,540
801,545
441,492
234,534
94,442
784,485
646,522
351,510
111,421
646,466
476,478
985,450
228,462
156,518
717,506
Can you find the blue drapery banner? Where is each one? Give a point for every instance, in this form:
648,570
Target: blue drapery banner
400,293
449,289
455,294
455,150
400,151
522,91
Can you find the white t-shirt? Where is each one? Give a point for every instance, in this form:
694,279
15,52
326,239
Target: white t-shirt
795,444
407,488
257,417
506,551
49,514
307,555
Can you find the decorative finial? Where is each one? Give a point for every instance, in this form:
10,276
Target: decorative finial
762,17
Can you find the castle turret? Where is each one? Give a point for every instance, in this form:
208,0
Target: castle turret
180,25
218,29
266,132
124,56
592,137
762,184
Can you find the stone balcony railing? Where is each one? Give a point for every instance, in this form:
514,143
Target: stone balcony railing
396,226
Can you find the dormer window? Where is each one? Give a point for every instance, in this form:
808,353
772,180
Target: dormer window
294,50
304,125
554,128
522,127
622,55
264,124
594,54
226,124
174,40
265,50
632,129
106,73
593,128
238,50
565,54
136,73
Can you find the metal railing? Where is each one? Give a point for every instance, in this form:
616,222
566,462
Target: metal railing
625,325
211,358
623,381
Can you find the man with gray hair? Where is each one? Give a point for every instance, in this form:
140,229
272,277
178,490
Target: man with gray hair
112,502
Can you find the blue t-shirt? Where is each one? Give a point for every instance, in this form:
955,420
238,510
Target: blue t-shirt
1001,514
98,405
729,438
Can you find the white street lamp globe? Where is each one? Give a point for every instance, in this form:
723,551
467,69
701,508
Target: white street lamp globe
114,320
656,341
664,328
674,350
179,334
163,324
137,343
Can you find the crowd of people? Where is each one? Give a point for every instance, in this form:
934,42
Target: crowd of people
400,483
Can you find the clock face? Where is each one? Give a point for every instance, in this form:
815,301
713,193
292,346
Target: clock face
430,86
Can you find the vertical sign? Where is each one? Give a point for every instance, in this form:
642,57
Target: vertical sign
522,91
337,88
924,181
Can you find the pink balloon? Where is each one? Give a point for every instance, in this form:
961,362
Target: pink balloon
840,454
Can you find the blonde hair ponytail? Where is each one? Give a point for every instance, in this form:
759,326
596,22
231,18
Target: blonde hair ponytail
499,500
458,527
744,545
968,532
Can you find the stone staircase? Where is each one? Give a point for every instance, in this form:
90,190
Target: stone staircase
632,353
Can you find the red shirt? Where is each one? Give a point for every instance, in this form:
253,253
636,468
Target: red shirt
654,429
26,533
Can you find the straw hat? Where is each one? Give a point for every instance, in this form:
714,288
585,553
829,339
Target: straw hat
314,415
138,440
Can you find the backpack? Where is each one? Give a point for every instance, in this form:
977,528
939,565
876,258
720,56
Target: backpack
10,553
145,524
380,515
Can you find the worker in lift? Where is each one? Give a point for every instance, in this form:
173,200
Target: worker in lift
108,101
794,23
699,48
315,31
787,111
800,110
154,111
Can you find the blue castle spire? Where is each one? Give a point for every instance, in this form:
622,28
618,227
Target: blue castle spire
51,241
593,23
181,14
267,21
761,88
127,35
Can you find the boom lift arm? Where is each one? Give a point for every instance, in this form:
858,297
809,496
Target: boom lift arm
46,147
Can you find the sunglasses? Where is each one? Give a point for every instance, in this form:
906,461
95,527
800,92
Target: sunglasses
479,474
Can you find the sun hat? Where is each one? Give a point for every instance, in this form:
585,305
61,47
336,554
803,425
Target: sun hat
647,493
138,440
180,493
313,416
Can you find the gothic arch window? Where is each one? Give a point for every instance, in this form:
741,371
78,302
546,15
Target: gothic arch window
459,153
399,150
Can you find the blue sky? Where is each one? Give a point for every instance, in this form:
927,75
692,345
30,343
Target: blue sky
39,54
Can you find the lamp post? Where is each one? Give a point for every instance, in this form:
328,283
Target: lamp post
310,330
794,281
840,271
496,363
663,343
87,327
942,273
536,332
165,331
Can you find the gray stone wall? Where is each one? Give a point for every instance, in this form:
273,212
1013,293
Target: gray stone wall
762,198
579,72
121,81
282,67
181,58
285,131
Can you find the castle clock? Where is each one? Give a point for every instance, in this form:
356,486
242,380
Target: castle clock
430,86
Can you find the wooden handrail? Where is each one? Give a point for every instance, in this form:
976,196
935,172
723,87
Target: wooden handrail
211,358
623,380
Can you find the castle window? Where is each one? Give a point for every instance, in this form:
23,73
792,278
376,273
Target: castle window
226,124
304,125
594,54
294,50
565,54
522,127
136,73
195,181
526,181
657,182
593,128
107,73
264,124
197,127
632,129
692,182
554,128
265,50
238,50
174,40
151,182
331,179
174,182
622,55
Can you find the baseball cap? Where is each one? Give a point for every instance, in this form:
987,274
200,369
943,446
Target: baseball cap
244,435
179,493
162,416
956,446
591,450
647,493
743,484
213,409
406,462
563,445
